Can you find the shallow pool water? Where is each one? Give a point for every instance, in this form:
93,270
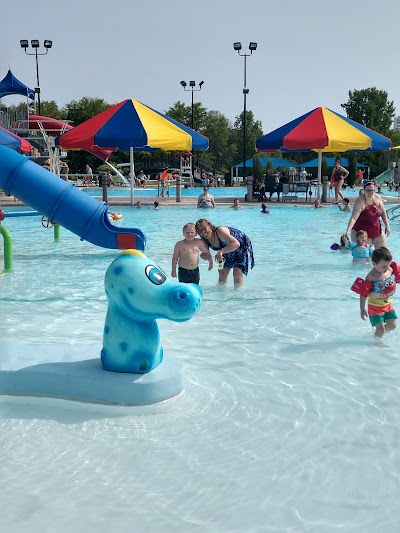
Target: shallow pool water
171,191
290,419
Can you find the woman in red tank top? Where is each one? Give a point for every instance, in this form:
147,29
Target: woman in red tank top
367,213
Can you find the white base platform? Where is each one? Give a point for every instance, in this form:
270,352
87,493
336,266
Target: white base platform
73,372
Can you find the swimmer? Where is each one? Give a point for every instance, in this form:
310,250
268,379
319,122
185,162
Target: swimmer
346,205
264,209
339,247
114,216
236,204
360,249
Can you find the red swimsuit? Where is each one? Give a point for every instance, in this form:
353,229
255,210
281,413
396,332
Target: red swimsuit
369,221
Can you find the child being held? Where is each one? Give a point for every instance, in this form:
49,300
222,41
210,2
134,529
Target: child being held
360,249
379,286
186,256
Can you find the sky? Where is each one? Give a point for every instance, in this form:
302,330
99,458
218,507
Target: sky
310,52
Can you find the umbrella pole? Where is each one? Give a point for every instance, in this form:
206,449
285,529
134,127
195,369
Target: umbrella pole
132,173
319,177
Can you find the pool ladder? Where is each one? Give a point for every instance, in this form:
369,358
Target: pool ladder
393,212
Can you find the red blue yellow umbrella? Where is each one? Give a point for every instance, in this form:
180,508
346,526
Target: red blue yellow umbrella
322,130
131,125
9,139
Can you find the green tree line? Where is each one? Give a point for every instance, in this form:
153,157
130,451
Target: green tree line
370,107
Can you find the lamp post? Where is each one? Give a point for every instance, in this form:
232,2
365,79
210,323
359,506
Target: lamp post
192,85
252,48
35,45
346,108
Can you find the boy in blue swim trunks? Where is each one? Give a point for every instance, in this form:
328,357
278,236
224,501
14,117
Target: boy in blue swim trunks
380,285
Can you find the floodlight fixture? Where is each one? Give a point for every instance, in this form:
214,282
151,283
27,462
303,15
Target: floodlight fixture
252,47
192,85
36,45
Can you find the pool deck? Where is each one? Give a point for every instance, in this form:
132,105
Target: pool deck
9,201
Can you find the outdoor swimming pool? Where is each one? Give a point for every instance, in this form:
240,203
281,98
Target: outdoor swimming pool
153,191
290,420
217,192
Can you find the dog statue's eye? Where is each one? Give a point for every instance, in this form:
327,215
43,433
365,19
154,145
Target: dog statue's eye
155,275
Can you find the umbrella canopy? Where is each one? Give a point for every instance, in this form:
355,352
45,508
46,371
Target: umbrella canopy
9,139
325,130
131,125
322,130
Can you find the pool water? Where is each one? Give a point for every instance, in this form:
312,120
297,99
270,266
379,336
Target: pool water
217,192
290,419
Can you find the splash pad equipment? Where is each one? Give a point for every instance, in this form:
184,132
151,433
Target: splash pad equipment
138,293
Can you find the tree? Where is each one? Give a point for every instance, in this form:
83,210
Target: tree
49,108
78,111
215,126
180,112
371,108
183,114
270,166
257,169
253,132
352,168
221,152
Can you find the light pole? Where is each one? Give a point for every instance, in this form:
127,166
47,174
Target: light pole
35,45
252,48
346,108
192,85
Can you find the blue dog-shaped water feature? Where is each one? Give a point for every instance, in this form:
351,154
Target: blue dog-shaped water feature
139,292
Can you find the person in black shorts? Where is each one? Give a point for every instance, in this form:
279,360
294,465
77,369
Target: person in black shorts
186,256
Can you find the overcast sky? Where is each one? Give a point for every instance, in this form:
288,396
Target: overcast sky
310,52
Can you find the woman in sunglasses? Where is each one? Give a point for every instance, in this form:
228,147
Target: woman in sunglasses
367,213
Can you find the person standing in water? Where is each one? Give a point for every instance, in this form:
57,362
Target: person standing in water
186,256
234,249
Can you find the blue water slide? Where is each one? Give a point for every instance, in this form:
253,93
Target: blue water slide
63,203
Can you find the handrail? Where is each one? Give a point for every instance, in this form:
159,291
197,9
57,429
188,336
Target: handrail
7,239
392,210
